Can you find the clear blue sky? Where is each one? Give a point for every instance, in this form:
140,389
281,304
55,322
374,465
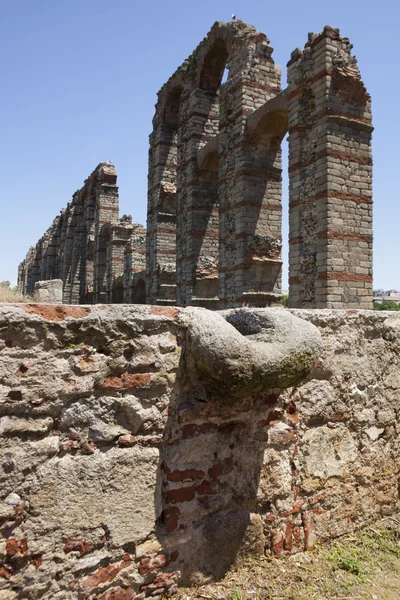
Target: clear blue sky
79,80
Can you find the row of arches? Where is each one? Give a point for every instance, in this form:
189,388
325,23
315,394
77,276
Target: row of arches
199,139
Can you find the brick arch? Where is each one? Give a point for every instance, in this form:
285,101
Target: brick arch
213,64
271,119
223,45
170,108
118,291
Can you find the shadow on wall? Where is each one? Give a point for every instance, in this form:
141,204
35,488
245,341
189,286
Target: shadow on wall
219,416
210,469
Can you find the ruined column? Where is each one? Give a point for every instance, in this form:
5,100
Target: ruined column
249,180
161,206
106,212
330,169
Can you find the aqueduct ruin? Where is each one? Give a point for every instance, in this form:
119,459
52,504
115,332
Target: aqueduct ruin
215,186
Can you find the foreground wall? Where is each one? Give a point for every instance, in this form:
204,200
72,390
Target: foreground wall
118,476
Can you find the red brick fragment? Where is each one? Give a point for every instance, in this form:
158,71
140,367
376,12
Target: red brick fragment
87,448
309,530
288,542
297,537
37,560
150,564
221,468
116,593
205,488
171,518
14,547
338,417
190,431
103,575
77,544
59,312
125,441
297,506
186,474
126,381
74,435
5,573
277,540
165,311
179,495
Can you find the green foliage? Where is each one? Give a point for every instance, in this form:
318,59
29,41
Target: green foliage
5,284
387,305
236,595
285,300
361,556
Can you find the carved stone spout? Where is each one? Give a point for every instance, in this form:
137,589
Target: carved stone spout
238,352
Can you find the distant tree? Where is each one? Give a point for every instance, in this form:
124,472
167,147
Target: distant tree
285,300
387,305
5,284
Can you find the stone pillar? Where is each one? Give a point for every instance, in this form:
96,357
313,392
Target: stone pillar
197,222
161,206
106,213
249,183
330,172
135,265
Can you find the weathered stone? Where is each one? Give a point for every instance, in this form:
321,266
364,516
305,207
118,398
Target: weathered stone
49,292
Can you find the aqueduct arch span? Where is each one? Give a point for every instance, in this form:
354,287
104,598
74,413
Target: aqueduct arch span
215,153
215,187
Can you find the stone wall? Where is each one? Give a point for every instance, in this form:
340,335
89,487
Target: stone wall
96,254
129,460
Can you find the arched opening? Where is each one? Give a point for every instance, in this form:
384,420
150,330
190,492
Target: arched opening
171,108
103,241
214,66
139,292
118,291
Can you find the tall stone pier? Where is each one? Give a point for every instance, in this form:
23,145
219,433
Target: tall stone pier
330,171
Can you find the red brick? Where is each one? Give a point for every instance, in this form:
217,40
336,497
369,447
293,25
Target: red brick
50,312
309,530
190,431
205,488
288,544
5,573
116,593
187,474
14,547
126,381
277,540
221,468
77,544
103,575
151,564
179,495
165,311
171,518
